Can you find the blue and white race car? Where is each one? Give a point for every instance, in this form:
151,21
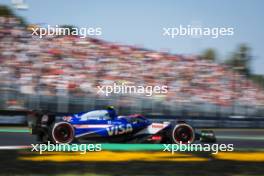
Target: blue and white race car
107,126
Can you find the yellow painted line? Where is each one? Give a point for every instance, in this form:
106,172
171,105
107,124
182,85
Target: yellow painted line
112,157
241,156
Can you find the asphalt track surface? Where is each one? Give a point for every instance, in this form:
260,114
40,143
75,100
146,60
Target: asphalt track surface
248,160
241,138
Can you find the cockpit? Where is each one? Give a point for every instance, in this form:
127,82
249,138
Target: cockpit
95,115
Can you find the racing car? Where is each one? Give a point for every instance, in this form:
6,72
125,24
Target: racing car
106,126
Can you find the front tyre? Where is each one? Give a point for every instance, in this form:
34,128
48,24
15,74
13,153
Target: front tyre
207,136
62,132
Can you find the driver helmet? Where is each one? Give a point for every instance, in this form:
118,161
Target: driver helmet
112,112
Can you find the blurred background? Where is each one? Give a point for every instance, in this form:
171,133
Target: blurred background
212,83
61,73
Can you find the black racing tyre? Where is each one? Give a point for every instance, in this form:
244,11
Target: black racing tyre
182,133
62,132
207,136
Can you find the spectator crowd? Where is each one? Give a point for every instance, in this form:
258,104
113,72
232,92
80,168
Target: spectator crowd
68,65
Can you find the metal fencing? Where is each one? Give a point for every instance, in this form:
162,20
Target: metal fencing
124,105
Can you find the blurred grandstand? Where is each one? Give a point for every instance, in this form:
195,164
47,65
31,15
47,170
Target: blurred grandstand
61,73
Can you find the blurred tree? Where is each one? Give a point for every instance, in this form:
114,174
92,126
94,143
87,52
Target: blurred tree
5,11
259,79
70,27
240,60
209,54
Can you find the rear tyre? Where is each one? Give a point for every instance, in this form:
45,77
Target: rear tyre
182,133
62,132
